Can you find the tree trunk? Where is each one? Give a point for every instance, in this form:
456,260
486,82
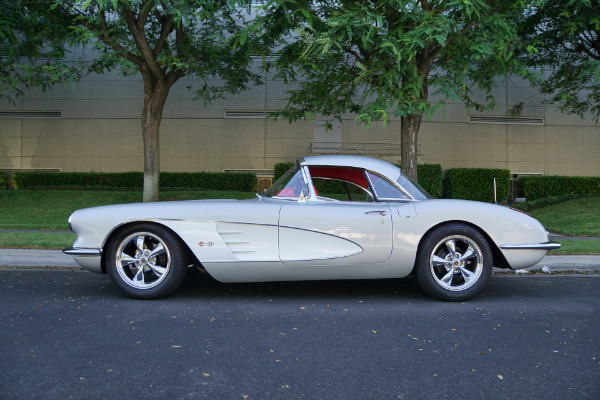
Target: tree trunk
409,130
155,96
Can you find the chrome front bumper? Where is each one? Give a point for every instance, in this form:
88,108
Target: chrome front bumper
83,252
532,246
90,259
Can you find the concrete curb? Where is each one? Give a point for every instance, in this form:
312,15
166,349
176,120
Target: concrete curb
36,258
21,258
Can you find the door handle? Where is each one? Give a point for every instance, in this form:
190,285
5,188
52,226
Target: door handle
382,213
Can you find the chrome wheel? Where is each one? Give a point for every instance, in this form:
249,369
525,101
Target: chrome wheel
143,260
456,263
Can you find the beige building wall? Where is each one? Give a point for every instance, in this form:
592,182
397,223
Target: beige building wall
97,128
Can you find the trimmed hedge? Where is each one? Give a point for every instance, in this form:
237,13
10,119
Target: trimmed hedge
4,179
243,182
82,180
477,184
430,179
281,168
232,181
539,187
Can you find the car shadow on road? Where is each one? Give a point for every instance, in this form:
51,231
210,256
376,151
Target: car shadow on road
202,285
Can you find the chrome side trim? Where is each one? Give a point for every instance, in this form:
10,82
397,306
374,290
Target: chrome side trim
83,252
532,246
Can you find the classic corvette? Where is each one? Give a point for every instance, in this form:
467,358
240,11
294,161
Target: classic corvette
328,217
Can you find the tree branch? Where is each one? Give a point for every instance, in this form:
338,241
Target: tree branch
145,10
167,28
142,44
104,36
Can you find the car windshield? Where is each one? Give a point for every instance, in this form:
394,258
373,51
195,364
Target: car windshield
412,188
290,185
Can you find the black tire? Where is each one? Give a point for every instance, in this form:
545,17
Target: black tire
454,262
146,261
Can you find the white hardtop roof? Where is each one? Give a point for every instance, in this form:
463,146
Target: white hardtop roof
373,164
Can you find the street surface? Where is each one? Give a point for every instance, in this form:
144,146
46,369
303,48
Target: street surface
71,334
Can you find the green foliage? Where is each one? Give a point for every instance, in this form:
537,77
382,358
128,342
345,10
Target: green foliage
83,180
430,179
33,45
477,184
231,181
281,168
562,38
244,182
4,179
160,40
380,59
538,187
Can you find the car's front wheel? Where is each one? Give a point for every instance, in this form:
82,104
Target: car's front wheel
146,261
454,262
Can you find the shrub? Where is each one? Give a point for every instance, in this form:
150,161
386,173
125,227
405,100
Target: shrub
477,184
538,187
243,182
4,179
281,168
80,180
232,181
430,179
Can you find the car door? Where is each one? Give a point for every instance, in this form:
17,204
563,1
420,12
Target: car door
334,233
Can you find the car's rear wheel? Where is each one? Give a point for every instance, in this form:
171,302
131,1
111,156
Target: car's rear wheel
454,262
146,261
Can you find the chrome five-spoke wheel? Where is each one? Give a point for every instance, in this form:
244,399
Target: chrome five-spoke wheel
143,260
454,262
146,261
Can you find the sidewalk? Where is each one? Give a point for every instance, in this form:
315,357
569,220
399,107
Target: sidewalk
20,258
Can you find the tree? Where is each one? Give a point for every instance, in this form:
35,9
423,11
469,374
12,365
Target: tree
163,41
566,39
382,58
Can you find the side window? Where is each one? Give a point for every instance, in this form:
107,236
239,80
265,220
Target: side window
385,190
340,190
290,185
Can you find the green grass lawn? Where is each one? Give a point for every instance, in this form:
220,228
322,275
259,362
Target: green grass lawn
36,240
50,210
580,247
579,217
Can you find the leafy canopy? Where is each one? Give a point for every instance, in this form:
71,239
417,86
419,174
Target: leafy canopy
167,37
566,38
378,59
33,45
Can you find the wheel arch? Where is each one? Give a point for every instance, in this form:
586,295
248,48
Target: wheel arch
191,258
498,258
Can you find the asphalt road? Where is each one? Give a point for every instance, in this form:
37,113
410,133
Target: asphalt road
70,334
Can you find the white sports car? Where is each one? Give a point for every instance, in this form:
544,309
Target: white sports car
328,217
